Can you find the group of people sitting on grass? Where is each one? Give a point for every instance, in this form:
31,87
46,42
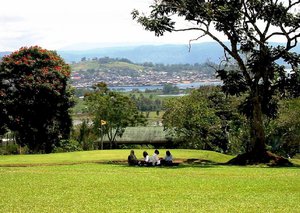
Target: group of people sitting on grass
153,160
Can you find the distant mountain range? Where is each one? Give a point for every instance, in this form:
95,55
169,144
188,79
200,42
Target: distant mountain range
165,54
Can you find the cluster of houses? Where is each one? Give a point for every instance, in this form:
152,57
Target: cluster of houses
87,78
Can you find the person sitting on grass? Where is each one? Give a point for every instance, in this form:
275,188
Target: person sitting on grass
132,160
168,161
146,160
155,159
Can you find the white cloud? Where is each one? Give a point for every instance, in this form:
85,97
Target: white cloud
57,24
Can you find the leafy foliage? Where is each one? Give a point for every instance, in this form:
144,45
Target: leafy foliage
146,104
249,26
202,120
283,133
170,89
112,112
67,146
35,98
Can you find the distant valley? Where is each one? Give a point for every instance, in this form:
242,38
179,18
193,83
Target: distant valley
144,65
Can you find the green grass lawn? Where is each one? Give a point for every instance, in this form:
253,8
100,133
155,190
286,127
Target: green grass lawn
98,187
105,156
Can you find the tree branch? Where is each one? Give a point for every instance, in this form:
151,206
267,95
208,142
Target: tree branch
233,52
251,20
195,39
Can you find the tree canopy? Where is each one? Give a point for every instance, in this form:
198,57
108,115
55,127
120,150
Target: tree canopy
249,26
191,120
35,98
202,120
112,112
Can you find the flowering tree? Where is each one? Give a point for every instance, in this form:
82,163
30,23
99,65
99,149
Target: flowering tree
34,98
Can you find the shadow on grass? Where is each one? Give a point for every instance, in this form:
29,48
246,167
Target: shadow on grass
202,163
182,163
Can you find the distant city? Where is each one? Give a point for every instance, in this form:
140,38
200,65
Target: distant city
124,73
149,78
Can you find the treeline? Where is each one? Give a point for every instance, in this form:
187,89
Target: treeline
208,119
146,104
106,60
206,68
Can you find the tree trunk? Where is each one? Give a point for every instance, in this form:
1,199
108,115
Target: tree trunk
257,132
257,152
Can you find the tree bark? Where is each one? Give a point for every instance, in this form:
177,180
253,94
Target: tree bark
257,133
257,152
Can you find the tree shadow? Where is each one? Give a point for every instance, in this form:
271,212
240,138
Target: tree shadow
183,163
202,163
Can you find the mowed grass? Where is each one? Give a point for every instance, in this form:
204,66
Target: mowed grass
98,187
105,156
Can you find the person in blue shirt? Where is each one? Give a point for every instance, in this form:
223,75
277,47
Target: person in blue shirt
168,160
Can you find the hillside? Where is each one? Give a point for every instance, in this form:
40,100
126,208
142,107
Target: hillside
120,72
165,54
96,65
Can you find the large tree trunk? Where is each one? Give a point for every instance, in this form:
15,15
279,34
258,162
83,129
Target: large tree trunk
257,152
257,132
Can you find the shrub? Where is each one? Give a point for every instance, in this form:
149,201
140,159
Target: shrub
9,149
67,146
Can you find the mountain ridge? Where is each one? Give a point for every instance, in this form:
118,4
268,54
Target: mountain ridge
165,54
158,54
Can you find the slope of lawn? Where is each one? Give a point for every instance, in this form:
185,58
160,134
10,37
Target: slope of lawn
94,187
105,156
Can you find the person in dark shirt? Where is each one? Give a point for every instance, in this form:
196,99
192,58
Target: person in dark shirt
132,160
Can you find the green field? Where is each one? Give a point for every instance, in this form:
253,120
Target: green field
87,182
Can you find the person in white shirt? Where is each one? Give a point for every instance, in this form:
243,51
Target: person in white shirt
155,159
146,161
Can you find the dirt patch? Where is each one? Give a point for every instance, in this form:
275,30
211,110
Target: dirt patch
266,157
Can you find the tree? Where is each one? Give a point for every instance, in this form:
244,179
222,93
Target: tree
192,121
283,133
170,89
249,26
35,98
112,112
203,120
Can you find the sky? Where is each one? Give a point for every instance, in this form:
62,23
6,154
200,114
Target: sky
77,24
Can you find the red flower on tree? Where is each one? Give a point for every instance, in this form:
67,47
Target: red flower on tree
33,90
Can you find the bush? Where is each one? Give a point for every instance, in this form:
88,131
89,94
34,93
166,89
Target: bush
283,133
136,146
9,149
67,146
85,135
